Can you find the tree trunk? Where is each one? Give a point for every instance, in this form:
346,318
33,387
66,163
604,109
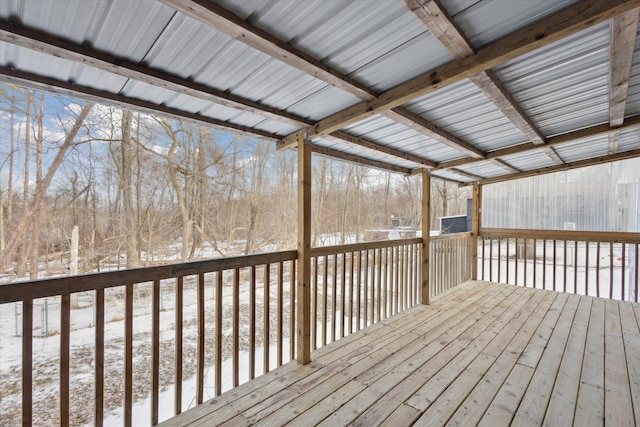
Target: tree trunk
20,230
35,238
127,194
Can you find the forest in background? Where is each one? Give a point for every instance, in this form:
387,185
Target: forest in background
147,190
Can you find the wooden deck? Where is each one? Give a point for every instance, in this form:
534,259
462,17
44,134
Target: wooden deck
482,354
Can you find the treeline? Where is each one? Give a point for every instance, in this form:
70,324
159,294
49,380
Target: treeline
145,190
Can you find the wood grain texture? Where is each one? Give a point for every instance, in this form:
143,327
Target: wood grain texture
480,353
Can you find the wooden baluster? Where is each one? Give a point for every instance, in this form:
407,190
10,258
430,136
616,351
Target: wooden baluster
252,323
533,260
508,261
598,270
128,356
386,283
575,267
484,260
65,332
517,258
397,286
544,264
500,260
178,344
280,310
267,315
564,273
334,290
637,273
524,265
351,285
372,314
155,351
236,326
314,297
611,257
365,289
555,263
622,274
218,350
292,315
490,259
201,340
342,291
325,298
27,362
99,360
359,290
586,269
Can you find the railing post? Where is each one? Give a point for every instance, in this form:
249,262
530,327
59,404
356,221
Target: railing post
426,235
303,351
475,228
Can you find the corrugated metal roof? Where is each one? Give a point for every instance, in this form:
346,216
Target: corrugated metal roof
564,86
379,44
464,111
585,148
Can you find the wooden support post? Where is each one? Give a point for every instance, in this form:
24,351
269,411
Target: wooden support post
475,228
426,235
303,351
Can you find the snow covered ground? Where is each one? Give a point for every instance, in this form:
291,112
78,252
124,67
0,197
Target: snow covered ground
46,352
46,340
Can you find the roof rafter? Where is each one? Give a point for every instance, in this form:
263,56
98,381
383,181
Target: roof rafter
560,25
50,45
226,22
567,166
443,27
419,124
602,129
34,40
505,165
467,174
22,78
621,47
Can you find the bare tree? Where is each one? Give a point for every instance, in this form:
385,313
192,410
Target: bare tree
21,229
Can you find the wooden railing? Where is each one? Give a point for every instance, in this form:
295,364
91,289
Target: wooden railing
450,261
601,264
149,343
229,293
353,286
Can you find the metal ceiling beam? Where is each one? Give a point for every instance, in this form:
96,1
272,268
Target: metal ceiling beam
621,47
567,166
228,23
556,27
60,48
48,84
602,129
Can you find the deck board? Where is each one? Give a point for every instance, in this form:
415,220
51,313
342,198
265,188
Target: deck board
482,353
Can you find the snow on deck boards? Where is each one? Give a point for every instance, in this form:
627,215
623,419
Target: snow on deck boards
482,354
